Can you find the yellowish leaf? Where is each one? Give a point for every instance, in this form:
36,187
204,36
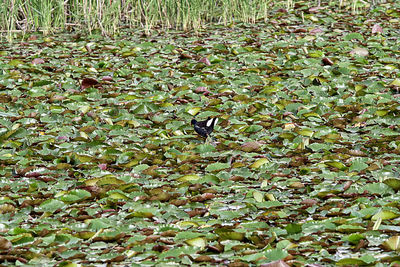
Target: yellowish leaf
258,196
258,163
193,111
188,178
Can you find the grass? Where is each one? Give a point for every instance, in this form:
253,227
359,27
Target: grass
106,16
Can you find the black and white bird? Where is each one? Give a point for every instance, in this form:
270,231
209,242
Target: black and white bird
204,128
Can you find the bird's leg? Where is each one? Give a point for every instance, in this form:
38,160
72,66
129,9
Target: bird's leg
210,140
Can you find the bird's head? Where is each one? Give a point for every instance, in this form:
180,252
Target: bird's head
193,122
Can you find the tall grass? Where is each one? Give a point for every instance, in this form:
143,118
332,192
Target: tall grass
108,16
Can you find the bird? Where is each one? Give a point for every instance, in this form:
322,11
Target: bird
204,128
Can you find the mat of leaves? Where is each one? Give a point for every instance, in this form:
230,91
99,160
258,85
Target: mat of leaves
99,163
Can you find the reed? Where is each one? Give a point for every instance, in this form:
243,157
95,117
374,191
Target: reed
109,16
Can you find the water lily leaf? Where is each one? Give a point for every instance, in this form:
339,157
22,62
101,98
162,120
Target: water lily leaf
22,239
382,112
99,223
385,215
228,234
84,109
176,252
117,196
368,212
293,228
286,135
306,132
15,62
148,74
193,111
377,188
395,82
141,167
42,83
285,244
351,261
278,263
354,35
105,180
188,224
258,163
199,242
250,146
188,178
75,196
394,183
269,204
85,235
144,108
144,213
270,197
336,164
258,196
349,228
214,59
83,158
355,238
276,254
393,243
51,205
84,135
311,114
14,133
205,148
253,128
217,166
125,157
358,165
